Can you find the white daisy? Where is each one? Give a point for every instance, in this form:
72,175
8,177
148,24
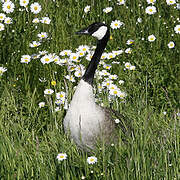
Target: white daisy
48,91
151,38
113,76
34,44
128,51
43,52
114,92
104,73
121,82
65,53
118,52
112,86
132,68
151,1
89,56
56,58
61,95
84,48
70,78
171,44
1,27
8,7
92,160
81,53
74,57
151,10
2,70
107,83
170,2
110,55
78,74
87,9
121,2
25,59
104,55
177,29
46,59
127,65
35,20
129,42
8,20
42,35
116,24
122,95
41,104
57,109
107,10
2,16
45,20
107,66
35,8
24,3
61,156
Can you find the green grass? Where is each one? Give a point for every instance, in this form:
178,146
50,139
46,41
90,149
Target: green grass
31,137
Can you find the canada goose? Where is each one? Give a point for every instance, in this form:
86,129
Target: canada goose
86,121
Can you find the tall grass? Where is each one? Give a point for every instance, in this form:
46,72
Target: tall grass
31,137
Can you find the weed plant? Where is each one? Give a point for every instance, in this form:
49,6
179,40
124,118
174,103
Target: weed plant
31,136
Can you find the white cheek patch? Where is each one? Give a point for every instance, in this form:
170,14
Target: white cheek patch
100,33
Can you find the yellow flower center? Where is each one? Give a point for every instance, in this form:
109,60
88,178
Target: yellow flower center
150,10
46,59
35,8
115,92
8,6
116,24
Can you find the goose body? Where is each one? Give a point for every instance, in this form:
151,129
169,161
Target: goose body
85,121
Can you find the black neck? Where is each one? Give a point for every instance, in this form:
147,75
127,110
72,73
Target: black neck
90,71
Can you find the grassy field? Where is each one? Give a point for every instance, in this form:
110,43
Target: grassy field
32,135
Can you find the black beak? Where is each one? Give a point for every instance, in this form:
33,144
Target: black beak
83,32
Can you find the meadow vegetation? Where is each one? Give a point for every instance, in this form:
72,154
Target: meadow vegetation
138,76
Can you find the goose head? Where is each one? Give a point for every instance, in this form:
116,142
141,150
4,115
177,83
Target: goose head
98,30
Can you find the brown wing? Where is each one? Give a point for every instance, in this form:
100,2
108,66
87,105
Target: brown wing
124,122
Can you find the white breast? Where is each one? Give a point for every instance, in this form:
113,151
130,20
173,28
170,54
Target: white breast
84,118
